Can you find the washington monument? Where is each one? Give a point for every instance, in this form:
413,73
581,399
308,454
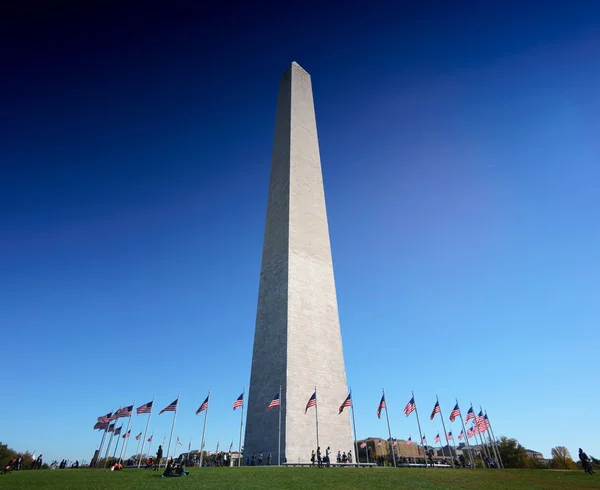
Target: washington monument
297,341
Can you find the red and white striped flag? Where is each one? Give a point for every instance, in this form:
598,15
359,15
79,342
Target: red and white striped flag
454,413
461,436
172,407
436,439
239,402
138,437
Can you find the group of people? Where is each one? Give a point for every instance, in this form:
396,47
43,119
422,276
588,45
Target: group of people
258,460
342,458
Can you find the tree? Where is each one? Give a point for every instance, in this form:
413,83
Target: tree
561,458
512,453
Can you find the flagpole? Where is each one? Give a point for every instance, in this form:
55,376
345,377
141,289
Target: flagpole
204,430
454,444
279,435
496,443
137,450
317,416
478,433
124,446
112,434
445,433
466,435
241,426
146,431
100,448
172,428
420,433
117,445
354,425
492,449
389,429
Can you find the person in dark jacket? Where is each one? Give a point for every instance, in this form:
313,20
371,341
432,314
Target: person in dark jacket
159,455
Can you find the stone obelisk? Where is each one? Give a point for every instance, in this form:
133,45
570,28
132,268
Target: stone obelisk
297,341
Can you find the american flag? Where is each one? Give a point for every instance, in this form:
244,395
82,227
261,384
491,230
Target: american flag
454,413
138,437
424,441
436,439
118,430
347,403
395,443
470,432
105,418
410,407
190,445
230,446
274,402
124,412
480,422
381,406
178,441
312,402
436,409
147,408
127,434
111,427
409,441
363,445
170,408
461,436
449,435
487,422
101,426
203,407
239,402
470,415
150,440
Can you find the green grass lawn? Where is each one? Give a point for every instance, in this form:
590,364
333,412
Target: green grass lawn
304,478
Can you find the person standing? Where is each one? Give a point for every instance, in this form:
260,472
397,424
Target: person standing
312,458
159,455
585,462
319,458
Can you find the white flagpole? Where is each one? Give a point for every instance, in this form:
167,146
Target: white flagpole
112,434
317,415
137,450
354,425
445,433
146,431
117,445
466,436
204,430
477,433
124,447
496,442
420,433
173,427
241,426
279,436
492,449
109,444
389,430
100,448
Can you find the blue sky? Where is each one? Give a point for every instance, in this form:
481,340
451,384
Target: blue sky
460,156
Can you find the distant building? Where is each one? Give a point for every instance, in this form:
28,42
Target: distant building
535,455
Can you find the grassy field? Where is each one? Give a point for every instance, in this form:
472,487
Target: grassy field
304,478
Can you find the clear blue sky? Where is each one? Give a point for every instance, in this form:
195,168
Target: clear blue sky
460,149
